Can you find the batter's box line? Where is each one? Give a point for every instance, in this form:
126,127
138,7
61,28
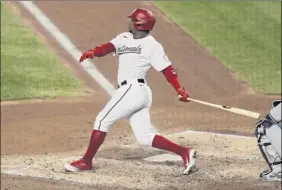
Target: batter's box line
12,169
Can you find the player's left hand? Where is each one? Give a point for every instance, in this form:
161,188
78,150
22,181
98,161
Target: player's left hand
183,95
87,54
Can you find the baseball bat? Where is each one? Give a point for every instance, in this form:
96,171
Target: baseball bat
239,111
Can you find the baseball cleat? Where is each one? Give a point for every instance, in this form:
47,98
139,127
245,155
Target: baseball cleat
78,166
265,172
271,175
189,158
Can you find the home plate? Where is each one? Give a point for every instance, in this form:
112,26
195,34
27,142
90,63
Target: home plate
163,158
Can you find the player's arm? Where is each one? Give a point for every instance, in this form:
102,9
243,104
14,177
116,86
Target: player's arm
98,51
104,49
161,63
172,77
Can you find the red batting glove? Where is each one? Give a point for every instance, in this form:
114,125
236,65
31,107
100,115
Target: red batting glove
87,54
183,95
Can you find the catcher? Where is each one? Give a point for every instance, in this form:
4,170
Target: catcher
268,131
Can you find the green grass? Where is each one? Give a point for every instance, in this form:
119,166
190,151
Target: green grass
28,69
245,36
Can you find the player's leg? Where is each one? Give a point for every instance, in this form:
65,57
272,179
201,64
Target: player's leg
117,108
145,133
268,132
266,137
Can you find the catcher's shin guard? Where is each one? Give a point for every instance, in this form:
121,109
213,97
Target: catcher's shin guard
264,131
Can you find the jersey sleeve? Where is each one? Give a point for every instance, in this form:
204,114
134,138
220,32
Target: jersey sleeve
117,41
158,58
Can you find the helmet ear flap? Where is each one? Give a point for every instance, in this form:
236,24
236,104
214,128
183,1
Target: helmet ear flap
139,26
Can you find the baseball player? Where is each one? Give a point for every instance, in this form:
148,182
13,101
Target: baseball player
137,52
268,131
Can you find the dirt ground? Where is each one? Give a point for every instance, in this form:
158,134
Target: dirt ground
63,126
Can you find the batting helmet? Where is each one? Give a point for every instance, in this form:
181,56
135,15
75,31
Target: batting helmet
143,19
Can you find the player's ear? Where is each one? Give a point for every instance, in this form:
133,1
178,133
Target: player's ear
139,26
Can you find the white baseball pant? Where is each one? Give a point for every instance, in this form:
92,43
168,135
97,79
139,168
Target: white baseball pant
131,101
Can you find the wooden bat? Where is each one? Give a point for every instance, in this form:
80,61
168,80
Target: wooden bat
239,111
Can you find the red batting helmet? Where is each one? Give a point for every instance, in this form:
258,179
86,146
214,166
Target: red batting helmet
143,19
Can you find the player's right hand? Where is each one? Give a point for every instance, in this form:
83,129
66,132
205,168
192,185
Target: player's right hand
183,95
87,54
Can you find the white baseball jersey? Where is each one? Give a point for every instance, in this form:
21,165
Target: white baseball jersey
136,56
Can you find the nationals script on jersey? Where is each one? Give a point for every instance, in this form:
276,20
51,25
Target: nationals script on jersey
137,56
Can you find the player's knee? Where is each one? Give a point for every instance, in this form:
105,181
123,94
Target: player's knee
145,139
102,124
261,127
258,130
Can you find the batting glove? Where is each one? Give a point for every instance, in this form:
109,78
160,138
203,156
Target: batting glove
183,95
87,54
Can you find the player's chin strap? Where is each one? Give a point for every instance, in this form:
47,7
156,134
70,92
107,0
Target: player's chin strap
268,152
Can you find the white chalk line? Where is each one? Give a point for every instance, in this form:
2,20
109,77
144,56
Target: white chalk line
66,43
76,181
212,133
19,173
196,132
14,168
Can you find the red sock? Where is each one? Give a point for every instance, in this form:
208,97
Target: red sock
97,138
162,143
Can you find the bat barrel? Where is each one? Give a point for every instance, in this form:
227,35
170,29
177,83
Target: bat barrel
239,111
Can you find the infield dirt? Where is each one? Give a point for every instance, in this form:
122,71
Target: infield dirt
57,130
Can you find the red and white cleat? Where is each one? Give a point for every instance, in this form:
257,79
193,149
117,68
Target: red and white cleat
189,159
78,166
